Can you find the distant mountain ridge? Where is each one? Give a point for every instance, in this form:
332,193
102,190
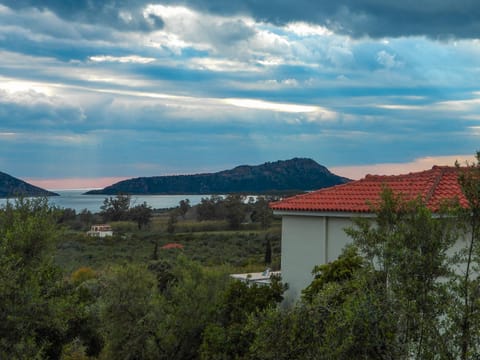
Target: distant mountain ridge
298,174
11,187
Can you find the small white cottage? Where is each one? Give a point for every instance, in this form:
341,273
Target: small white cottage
101,230
313,224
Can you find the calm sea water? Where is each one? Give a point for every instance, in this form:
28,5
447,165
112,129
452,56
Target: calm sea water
75,200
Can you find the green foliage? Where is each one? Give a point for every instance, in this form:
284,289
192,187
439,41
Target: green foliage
74,351
83,274
115,209
229,338
337,271
268,251
212,208
408,248
391,304
118,209
32,296
125,311
184,206
141,214
172,221
362,325
235,210
465,324
164,272
261,212
192,303
343,318
286,334
130,309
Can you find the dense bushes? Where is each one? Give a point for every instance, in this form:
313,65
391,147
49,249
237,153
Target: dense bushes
392,295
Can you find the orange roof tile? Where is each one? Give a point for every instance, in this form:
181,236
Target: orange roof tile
435,186
172,246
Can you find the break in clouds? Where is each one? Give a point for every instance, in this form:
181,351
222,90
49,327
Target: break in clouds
187,85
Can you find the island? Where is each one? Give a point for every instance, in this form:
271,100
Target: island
294,175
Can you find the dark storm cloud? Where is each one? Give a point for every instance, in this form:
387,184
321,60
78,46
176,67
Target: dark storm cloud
374,18
31,110
120,14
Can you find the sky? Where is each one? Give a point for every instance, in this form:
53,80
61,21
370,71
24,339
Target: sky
95,91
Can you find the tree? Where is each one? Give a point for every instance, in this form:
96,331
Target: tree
115,209
408,248
262,213
184,206
235,208
342,269
141,214
211,208
286,334
130,311
341,316
268,251
33,299
86,218
172,221
228,337
192,301
67,215
205,210
466,287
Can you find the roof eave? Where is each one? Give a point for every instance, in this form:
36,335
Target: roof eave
341,214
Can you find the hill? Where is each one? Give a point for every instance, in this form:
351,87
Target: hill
11,187
297,174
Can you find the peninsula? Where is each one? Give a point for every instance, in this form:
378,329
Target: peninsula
11,187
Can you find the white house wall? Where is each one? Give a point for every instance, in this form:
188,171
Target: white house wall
314,239
308,241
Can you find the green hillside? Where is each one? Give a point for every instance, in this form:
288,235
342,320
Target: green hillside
11,187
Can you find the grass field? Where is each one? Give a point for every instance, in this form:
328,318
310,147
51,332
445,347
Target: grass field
208,242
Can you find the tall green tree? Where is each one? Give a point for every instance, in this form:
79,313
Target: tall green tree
141,214
262,213
184,206
33,302
268,251
191,301
172,221
212,208
465,286
235,208
408,248
228,336
131,309
115,208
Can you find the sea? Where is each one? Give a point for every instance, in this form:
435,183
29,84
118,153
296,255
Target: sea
74,199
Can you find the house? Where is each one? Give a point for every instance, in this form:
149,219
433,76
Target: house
259,278
101,230
313,224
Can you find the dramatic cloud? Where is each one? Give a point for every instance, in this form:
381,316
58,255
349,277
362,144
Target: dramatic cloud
120,14
126,88
357,18
31,110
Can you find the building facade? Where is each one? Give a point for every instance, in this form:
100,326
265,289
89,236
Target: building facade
313,224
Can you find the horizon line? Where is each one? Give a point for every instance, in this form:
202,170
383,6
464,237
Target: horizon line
353,172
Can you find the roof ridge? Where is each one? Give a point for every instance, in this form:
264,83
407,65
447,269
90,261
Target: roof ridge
436,182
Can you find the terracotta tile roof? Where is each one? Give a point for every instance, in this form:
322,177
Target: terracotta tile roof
434,186
172,246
